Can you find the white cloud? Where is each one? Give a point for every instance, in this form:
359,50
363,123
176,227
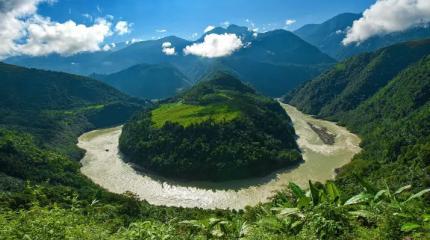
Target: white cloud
225,24
23,31
106,47
209,28
122,27
387,16
45,37
168,49
215,45
161,30
166,45
289,22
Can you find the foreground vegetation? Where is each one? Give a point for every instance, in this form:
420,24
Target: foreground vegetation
218,130
322,212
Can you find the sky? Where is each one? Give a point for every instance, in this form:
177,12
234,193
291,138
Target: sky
68,27
183,18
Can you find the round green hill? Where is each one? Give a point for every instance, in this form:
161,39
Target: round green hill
218,130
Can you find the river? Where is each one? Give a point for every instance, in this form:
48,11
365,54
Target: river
103,164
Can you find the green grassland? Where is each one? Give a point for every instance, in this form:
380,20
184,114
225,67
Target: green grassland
187,114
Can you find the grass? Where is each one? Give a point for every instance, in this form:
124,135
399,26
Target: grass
85,109
186,114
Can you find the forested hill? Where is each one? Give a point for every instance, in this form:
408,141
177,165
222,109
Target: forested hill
220,129
385,98
148,81
56,107
354,80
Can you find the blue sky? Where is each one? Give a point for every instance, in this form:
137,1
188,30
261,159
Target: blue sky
185,17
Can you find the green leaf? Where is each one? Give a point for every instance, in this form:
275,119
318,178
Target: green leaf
367,186
285,212
400,190
379,194
217,233
303,202
362,213
333,192
296,190
314,193
296,224
360,198
417,195
193,223
408,227
426,217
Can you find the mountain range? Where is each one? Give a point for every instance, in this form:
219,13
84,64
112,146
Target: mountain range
280,57
328,36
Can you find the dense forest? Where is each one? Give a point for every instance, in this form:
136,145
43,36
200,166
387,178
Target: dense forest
389,110
219,129
354,80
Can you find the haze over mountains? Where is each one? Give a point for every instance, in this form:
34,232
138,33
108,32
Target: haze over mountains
273,62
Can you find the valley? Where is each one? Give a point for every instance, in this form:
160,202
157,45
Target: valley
201,120
109,170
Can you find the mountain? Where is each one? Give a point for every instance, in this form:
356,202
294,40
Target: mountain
271,67
219,129
283,47
354,80
243,32
384,97
56,107
147,81
281,52
328,36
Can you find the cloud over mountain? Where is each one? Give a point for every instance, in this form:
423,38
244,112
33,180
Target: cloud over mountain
122,27
209,28
387,16
168,49
215,45
24,31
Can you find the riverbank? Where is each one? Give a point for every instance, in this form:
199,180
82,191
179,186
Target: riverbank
105,166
